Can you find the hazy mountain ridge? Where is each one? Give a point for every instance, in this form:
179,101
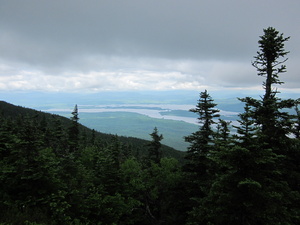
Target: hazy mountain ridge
116,112
134,114
11,111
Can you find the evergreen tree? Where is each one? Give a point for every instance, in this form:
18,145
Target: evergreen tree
246,176
74,131
269,62
198,166
272,114
247,128
201,141
251,183
154,152
223,133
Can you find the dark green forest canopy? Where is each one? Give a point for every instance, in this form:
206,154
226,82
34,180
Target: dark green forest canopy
45,179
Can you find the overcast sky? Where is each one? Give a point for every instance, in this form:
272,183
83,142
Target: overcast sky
100,45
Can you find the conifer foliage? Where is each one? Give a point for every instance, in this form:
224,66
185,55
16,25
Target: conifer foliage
250,181
201,140
201,143
52,174
74,130
154,151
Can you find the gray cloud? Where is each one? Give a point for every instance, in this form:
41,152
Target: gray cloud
155,44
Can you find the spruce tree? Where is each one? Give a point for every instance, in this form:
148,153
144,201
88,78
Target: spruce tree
252,183
272,114
242,188
154,151
269,62
74,131
223,137
201,140
197,168
247,128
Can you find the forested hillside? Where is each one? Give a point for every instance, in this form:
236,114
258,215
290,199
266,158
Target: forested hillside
55,171
12,112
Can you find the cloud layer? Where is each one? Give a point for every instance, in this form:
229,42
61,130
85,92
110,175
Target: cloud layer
136,45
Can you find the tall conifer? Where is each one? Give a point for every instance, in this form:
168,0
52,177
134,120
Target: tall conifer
198,165
74,130
154,151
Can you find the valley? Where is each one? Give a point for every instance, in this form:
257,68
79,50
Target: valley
174,121
133,114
